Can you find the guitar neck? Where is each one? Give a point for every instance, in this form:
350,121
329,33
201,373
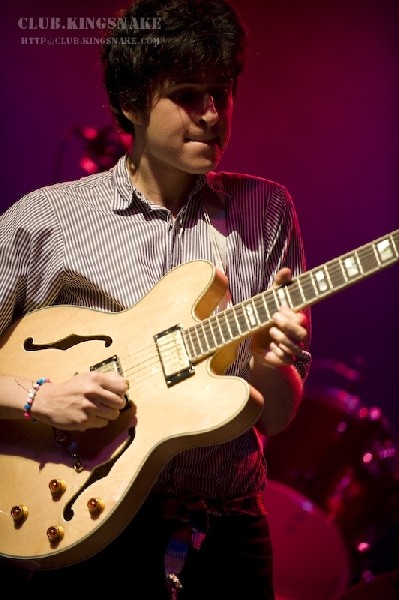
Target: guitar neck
246,318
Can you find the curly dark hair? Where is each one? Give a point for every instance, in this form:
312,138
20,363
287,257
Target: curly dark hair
192,37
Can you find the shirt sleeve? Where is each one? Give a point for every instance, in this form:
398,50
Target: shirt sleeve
29,248
285,248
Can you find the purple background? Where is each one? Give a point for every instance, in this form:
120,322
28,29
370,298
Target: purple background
316,111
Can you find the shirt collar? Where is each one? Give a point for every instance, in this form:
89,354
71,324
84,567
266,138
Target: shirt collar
124,190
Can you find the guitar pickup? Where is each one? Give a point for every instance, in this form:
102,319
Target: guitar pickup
175,362
111,364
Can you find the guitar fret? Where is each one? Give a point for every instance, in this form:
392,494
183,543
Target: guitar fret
394,246
199,337
288,296
211,332
221,328
233,323
271,301
188,343
251,315
352,266
303,291
306,284
276,298
216,331
225,326
296,293
283,296
204,338
369,258
336,273
261,307
194,340
343,271
321,280
385,250
241,319
308,287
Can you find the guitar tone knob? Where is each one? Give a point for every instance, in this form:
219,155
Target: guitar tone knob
95,506
55,533
19,513
57,487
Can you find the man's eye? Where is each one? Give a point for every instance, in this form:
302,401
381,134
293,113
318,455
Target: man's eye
185,97
192,98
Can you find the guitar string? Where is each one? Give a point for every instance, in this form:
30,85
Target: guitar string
305,287
219,245
149,357
218,241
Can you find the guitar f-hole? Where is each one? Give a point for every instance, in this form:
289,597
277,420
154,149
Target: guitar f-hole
66,343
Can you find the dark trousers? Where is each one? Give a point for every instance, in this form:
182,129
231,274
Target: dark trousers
233,563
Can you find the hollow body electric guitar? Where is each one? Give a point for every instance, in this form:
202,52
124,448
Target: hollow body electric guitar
66,495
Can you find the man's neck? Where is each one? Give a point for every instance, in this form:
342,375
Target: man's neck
164,188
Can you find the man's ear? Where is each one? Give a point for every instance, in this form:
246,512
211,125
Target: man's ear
133,116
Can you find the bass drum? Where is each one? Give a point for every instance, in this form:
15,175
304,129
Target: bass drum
310,557
341,455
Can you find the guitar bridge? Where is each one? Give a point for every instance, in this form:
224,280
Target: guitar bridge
111,364
175,362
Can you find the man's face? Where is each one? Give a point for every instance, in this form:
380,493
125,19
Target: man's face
188,125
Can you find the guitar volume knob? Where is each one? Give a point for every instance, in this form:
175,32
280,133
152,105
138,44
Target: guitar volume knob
19,513
57,487
55,533
95,506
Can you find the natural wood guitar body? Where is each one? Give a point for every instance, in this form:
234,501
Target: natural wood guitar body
120,462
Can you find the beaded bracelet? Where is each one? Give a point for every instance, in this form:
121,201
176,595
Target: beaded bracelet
31,397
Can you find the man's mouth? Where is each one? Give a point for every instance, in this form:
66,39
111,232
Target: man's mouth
206,140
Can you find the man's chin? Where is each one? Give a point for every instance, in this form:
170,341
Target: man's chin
201,171
203,167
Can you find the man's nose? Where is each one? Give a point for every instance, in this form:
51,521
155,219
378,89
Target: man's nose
209,103
209,110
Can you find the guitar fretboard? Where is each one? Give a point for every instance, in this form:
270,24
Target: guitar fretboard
244,319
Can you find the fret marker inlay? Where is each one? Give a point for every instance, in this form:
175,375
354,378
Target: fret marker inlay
351,267
250,315
322,283
281,296
384,250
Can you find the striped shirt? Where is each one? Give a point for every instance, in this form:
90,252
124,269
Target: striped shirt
98,242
